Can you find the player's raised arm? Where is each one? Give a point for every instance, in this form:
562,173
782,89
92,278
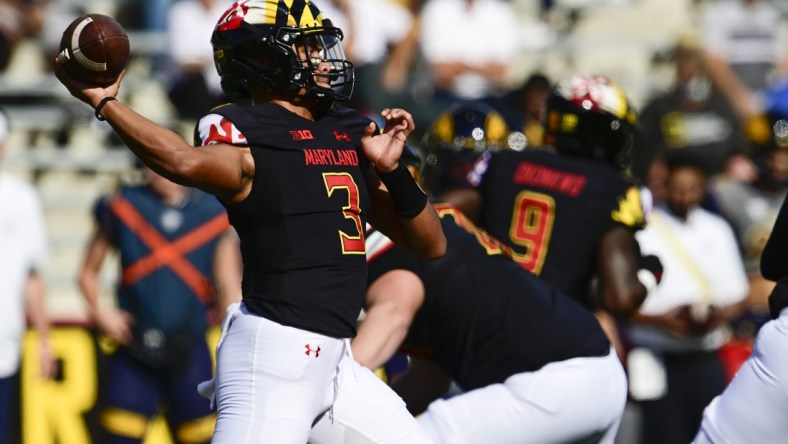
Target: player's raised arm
220,169
400,207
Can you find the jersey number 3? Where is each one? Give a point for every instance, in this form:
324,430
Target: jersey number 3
351,243
532,225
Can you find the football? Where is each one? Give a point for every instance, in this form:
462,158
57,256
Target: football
94,49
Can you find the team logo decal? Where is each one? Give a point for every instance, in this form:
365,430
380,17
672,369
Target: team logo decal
630,209
273,13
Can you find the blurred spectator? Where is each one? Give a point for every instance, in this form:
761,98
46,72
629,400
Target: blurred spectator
383,44
746,49
174,249
525,110
675,368
45,21
23,253
11,30
752,209
382,41
692,119
470,46
194,85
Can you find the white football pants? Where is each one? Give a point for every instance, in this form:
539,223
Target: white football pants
273,381
561,402
754,406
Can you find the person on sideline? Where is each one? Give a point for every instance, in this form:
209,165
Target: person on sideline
173,243
23,255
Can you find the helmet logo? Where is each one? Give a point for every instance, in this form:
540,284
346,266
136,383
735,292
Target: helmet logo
233,17
302,14
597,93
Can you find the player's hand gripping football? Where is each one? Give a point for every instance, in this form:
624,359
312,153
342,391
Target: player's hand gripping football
385,149
90,94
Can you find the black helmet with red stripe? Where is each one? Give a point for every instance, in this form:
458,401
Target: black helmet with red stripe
281,45
590,116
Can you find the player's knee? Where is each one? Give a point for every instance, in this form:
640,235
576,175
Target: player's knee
123,423
196,431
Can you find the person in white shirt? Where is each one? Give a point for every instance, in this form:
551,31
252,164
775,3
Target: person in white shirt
470,46
194,85
674,368
23,253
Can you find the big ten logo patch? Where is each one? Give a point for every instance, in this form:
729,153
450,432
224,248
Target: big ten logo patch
58,410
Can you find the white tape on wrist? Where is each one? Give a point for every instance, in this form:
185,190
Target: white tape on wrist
648,279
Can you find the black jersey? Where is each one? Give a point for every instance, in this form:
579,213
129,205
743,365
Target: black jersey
552,210
302,225
484,318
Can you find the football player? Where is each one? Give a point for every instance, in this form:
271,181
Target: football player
752,407
568,211
534,366
299,176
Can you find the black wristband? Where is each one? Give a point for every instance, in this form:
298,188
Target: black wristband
101,105
408,197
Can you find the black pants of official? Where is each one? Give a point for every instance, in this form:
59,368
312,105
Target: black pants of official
694,379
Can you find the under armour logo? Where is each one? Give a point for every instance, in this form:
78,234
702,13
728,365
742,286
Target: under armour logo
309,350
342,136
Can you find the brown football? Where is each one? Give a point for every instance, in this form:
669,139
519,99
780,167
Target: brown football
94,49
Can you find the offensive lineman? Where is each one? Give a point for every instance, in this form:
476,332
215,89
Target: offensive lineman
533,364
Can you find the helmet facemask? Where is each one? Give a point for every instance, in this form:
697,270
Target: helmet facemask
324,70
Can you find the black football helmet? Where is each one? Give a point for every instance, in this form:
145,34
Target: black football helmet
590,116
281,45
456,139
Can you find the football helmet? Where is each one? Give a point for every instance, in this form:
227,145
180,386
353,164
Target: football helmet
590,116
281,45
456,139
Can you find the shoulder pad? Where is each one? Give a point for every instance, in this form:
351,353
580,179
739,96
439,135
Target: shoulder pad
216,128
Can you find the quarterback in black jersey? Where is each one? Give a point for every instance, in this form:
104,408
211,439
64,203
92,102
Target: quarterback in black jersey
567,211
300,176
533,364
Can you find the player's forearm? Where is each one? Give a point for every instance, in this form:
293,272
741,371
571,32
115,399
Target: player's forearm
227,271
380,335
89,287
424,235
418,228
163,150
